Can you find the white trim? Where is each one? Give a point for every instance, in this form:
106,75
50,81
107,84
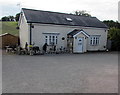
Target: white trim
54,33
82,33
78,27
51,38
20,17
95,40
4,34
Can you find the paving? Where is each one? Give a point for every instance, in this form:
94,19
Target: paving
60,73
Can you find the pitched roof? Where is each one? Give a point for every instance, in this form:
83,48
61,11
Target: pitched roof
47,17
6,34
76,31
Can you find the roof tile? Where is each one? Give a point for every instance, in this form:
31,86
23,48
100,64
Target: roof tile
47,17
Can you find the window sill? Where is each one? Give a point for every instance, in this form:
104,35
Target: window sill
94,45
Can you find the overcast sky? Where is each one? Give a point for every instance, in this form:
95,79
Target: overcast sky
102,9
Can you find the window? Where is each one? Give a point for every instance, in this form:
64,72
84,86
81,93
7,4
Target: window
51,39
46,39
56,40
94,40
68,19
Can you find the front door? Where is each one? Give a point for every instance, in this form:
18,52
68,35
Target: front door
79,45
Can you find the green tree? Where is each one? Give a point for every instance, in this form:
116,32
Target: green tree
113,33
81,13
114,36
17,16
111,23
11,18
5,18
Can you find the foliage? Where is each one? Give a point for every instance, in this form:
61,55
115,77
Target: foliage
111,23
5,18
114,36
113,33
81,13
10,27
11,18
8,18
17,17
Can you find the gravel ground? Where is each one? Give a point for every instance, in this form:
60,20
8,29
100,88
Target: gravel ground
61,73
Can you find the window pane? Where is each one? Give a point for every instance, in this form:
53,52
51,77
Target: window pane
49,39
56,41
53,38
91,41
45,40
94,40
97,41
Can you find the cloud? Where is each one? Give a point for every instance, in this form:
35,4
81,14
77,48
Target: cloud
8,10
9,7
103,9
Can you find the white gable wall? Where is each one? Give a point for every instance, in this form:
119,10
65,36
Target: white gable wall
39,39
23,31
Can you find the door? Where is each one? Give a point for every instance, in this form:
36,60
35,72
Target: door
79,45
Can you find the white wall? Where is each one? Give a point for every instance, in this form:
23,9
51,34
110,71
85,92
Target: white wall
102,41
39,40
23,31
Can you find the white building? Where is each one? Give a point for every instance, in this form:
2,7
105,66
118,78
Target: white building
78,33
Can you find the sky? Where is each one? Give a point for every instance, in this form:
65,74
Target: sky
102,9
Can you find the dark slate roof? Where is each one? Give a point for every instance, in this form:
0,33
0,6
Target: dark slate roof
47,17
74,32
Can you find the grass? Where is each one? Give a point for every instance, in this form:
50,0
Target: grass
9,27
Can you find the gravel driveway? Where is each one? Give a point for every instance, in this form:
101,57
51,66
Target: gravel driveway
61,73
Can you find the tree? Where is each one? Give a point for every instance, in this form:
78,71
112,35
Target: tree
114,36
113,33
17,16
81,13
11,18
5,18
111,23
8,18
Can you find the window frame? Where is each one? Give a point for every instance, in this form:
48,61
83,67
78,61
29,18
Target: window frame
94,40
51,38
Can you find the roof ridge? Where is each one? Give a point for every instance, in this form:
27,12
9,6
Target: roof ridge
7,34
57,18
57,12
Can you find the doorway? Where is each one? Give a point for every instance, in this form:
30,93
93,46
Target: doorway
79,44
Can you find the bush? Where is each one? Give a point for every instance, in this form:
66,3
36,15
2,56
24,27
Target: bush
114,35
